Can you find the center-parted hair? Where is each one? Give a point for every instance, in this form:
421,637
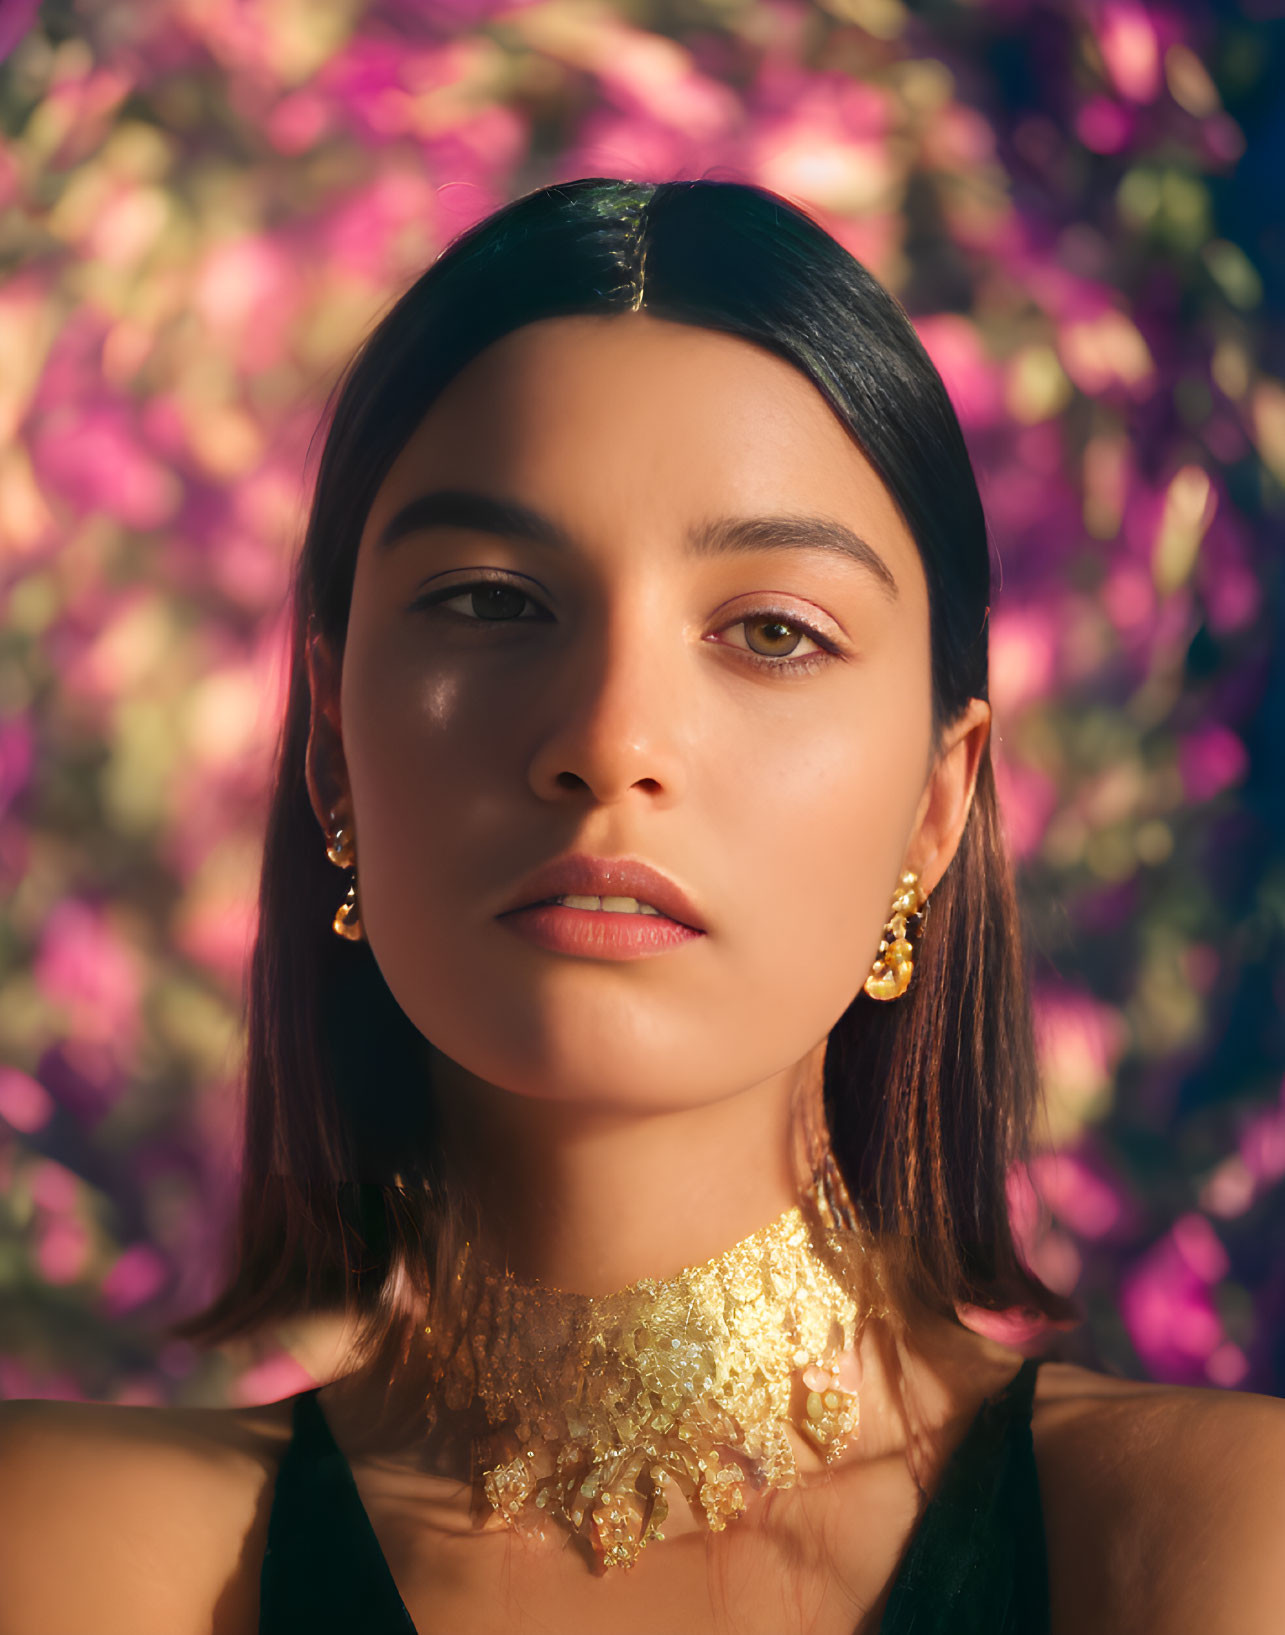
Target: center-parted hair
929,1099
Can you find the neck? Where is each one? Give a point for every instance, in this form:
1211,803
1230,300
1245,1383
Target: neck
591,1199
598,1411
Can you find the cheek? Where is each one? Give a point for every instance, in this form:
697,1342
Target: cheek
430,763
815,829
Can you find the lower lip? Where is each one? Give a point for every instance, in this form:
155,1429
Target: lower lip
594,934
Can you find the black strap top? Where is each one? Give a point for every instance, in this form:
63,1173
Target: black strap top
975,1563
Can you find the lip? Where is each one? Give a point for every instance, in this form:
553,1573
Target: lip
579,874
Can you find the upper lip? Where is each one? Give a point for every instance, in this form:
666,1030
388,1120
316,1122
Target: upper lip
578,874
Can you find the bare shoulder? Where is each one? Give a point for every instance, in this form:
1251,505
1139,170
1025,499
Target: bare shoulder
1164,1505
134,1519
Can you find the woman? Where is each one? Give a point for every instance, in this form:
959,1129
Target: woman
648,1115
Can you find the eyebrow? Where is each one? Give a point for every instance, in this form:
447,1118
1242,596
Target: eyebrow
511,519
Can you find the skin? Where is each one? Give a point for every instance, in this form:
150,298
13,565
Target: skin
637,1117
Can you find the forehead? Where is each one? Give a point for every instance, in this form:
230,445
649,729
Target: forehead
629,415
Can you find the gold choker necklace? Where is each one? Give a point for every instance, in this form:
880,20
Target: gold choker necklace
598,1403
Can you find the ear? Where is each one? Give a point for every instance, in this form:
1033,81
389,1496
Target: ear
948,795
325,768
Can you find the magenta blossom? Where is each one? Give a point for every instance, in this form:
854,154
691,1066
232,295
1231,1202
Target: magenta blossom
1104,126
1211,759
1168,1307
87,968
25,1104
137,1276
16,17
972,379
1130,49
1090,1204
17,752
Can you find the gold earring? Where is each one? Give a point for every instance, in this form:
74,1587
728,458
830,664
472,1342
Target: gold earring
343,854
895,962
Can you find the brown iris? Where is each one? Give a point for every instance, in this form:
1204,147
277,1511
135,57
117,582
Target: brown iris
788,634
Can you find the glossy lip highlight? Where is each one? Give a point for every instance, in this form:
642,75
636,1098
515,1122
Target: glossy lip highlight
578,874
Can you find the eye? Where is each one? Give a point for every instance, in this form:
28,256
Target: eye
489,601
771,639
778,636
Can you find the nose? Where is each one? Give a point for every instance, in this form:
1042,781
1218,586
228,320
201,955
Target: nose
621,711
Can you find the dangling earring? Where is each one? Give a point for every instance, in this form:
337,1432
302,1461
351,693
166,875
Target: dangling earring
895,962
343,854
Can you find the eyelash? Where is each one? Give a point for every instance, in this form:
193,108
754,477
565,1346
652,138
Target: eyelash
796,666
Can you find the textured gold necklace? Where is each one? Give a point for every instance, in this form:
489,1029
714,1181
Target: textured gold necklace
599,1403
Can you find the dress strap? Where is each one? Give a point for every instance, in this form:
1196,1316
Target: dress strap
323,1569
977,1560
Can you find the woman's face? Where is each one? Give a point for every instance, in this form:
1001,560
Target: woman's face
753,721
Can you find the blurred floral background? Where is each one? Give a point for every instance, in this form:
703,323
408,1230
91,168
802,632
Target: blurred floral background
204,204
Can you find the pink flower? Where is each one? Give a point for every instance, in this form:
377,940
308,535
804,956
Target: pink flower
16,17
84,965
1230,1190
358,229
1257,1163
1027,501
1028,800
1106,351
90,455
958,138
1079,1041
815,137
217,933
1232,596
248,292
1023,656
1211,759
1227,1366
1129,596
1049,1253
1086,1201
137,1276
1055,1260
298,121
1222,138
1130,49
365,80
62,1249
973,381
1104,126
1023,1205
54,1188
16,757
1167,1303
1262,1144
82,102
646,73
24,1103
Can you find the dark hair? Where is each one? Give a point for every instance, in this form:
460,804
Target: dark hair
929,1099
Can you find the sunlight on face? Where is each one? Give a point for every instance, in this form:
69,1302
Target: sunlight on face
754,722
